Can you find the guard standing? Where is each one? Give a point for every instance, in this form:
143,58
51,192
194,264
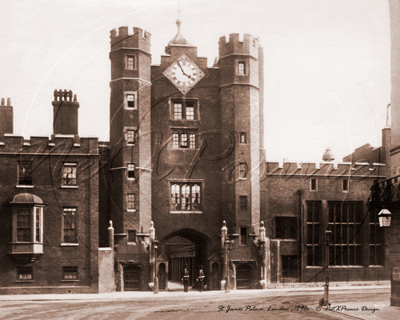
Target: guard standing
186,279
201,278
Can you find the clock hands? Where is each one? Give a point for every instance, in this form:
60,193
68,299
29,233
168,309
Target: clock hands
184,73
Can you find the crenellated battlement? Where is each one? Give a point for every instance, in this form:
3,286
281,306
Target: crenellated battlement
122,38
43,145
249,45
325,169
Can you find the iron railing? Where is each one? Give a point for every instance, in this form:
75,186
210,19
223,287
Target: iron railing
336,275
384,193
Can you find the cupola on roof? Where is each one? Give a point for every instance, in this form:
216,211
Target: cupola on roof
328,155
178,40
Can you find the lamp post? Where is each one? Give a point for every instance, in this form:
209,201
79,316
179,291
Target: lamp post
328,240
227,282
155,247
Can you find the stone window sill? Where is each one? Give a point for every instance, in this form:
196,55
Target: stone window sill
72,280
180,212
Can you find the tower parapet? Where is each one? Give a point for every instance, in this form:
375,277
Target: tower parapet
249,45
137,40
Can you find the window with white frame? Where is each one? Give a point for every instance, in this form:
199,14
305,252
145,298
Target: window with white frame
69,174
24,217
184,139
70,273
131,205
24,273
345,221
242,138
185,196
375,240
184,110
28,224
130,101
69,225
241,68
131,171
38,224
313,239
130,62
25,173
242,170
130,137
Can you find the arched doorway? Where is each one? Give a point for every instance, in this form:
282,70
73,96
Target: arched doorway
215,280
243,276
161,276
132,278
186,247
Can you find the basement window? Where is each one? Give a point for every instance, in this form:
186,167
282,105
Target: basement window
24,273
70,273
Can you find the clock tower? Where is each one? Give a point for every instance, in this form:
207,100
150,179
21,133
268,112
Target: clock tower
185,141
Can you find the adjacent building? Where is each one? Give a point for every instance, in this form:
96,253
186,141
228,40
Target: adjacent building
49,197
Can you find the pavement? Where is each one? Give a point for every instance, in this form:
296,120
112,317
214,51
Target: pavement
373,308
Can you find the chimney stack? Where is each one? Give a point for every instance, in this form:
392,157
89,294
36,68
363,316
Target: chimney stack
6,117
65,112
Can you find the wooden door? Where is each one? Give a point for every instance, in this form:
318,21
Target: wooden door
131,278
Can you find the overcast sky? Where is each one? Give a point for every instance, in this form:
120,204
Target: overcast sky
327,68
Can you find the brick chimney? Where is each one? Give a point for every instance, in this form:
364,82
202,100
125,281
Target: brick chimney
65,113
6,117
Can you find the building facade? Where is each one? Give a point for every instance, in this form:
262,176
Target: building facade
301,201
186,143
182,187
49,206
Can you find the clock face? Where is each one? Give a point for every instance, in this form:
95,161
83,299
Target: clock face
184,73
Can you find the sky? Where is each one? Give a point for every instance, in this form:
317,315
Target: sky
327,63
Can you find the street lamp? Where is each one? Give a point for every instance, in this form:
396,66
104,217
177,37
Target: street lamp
328,241
384,217
155,247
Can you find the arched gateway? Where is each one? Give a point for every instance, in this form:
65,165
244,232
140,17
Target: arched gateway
186,248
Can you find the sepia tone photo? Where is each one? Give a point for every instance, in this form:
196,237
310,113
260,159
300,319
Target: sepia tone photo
211,160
